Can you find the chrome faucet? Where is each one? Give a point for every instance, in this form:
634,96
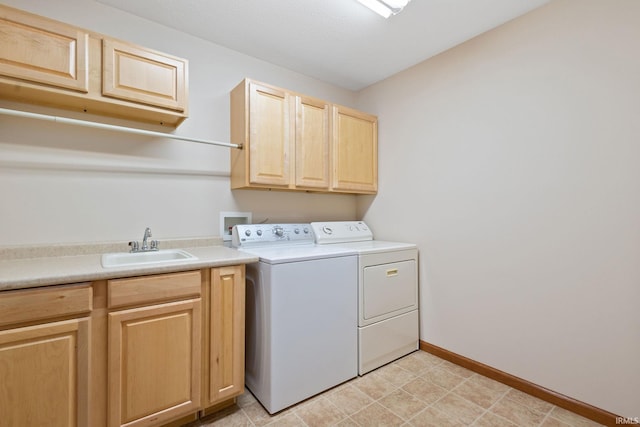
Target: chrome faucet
147,245
147,234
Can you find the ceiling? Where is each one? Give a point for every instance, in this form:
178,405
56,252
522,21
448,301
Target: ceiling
336,41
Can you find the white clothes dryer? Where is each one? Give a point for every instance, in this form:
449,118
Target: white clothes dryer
388,322
301,313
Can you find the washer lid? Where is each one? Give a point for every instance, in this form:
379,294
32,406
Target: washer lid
375,246
295,253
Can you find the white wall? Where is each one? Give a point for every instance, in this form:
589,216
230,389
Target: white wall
60,183
515,160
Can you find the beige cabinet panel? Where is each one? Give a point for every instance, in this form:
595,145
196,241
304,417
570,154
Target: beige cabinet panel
43,51
154,363
355,151
226,334
142,75
44,375
312,143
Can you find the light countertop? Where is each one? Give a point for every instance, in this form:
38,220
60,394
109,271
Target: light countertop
56,270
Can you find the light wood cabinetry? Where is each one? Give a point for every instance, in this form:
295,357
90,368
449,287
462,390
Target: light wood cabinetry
355,151
224,352
263,114
132,73
150,351
312,143
47,62
45,360
43,51
154,353
295,142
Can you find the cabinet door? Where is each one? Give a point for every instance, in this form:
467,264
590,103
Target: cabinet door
154,363
226,334
44,375
40,50
141,75
312,143
355,151
269,136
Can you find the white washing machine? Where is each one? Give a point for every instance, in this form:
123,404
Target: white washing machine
388,324
301,313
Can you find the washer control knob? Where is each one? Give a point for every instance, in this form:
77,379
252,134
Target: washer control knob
247,233
278,231
327,230
259,232
297,231
306,230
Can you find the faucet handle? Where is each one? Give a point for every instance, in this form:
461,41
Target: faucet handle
154,245
134,246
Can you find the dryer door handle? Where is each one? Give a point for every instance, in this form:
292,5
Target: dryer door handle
392,272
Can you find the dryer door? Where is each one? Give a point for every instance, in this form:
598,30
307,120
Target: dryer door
388,290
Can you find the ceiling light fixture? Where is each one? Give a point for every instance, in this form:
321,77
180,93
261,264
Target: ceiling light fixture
385,8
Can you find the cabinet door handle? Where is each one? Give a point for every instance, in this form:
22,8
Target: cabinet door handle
392,272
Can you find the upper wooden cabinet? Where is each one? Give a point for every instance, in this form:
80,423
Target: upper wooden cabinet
355,151
140,75
295,142
43,51
312,143
47,62
270,129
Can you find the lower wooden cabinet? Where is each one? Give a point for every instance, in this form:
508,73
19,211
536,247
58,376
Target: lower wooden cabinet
224,360
44,375
154,363
45,356
140,351
175,344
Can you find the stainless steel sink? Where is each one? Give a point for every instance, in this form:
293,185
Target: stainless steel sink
123,259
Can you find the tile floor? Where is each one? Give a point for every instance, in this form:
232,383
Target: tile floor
418,390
